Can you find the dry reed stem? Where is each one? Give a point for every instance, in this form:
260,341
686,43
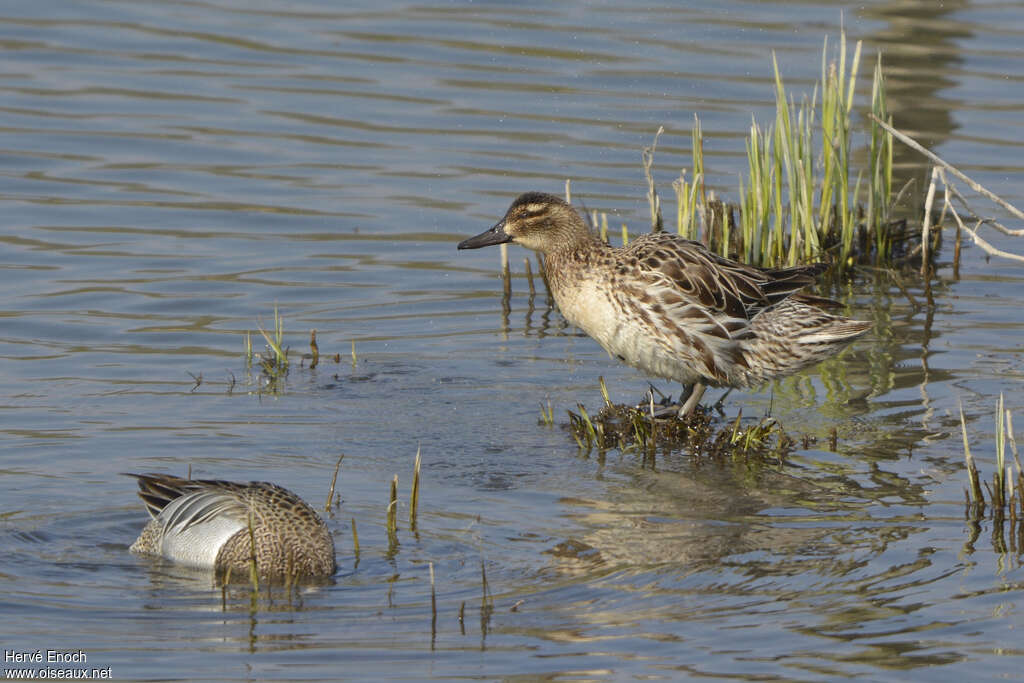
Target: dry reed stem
393,508
972,471
544,278
604,391
334,480
433,592
981,242
506,273
414,496
253,573
653,200
927,222
913,144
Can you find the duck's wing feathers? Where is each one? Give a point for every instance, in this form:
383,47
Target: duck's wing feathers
183,502
701,303
706,280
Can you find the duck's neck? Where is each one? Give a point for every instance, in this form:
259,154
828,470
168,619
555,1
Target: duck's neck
572,260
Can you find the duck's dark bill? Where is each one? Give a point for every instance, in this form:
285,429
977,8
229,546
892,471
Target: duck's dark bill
495,235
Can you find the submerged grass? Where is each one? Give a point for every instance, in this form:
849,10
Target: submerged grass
274,361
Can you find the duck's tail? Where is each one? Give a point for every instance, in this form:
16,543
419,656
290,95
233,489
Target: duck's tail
794,334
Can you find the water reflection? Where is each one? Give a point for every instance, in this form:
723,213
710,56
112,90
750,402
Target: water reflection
921,50
716,542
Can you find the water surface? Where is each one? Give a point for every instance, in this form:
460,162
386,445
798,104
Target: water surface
171,172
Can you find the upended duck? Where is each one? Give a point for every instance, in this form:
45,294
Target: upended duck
673,309
206,523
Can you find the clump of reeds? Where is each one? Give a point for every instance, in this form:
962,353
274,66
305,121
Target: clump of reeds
392,508
1006,492
275,362
547,414
800,198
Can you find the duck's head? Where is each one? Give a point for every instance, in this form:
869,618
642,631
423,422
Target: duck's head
538,221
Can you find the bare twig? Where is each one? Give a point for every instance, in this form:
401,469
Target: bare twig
927,224
653,200
1005,230
988,248
973,232
913,144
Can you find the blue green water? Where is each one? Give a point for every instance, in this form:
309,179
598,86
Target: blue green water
171,172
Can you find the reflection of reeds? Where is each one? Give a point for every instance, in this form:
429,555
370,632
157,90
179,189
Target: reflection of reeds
486,598
433,600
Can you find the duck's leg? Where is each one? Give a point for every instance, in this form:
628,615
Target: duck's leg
696,391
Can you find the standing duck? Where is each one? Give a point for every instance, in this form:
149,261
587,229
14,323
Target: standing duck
670,307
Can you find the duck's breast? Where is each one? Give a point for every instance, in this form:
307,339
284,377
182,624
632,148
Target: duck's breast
626,329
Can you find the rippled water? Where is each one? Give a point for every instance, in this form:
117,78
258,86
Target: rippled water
172,171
